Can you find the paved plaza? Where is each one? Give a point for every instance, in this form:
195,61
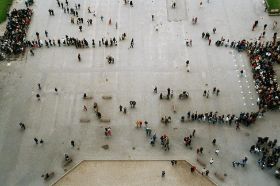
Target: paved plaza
157,59
132,173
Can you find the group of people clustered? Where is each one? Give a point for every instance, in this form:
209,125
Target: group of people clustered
13,40
263,55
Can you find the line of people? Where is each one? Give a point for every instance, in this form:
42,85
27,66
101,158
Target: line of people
213,117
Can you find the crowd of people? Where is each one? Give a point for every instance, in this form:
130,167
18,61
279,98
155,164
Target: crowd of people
268,150
13,40
262,57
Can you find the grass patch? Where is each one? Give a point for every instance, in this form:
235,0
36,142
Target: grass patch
273,4
4,8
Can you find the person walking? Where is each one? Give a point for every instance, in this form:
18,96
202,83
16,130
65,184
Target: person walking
162,173
36,141
22,126
31,52
72,143
187,63
38,97
274,25
207,94
211,161
214,90
217,152
218,91
131,43
264,26
120,108
204,93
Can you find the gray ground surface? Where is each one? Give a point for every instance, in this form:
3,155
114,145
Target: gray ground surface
157,59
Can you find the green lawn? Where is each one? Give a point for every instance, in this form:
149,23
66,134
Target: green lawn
273,4
4,7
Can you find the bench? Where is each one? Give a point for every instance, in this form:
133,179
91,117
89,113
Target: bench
220,176
201,162
84,120
87,98
105,120
106,97
174,108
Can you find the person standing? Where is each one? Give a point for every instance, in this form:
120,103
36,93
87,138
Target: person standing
31,52
79,57
193,133
46,33
22,126
193,168
214,30
214,141
241,73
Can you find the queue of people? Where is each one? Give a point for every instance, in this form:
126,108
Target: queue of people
213,117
